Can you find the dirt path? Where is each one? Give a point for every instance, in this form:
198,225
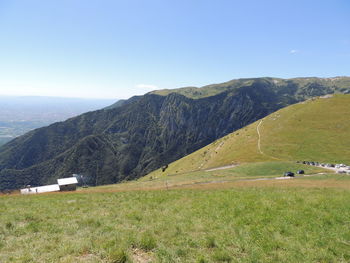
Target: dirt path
249,180
221,167
259,139
334,169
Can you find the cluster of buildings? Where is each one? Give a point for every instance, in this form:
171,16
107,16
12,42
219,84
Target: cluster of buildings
338,168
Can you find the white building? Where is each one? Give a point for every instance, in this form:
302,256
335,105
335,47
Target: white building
63,184
67,184
41,189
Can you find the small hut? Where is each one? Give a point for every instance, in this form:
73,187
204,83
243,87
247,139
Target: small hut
68,184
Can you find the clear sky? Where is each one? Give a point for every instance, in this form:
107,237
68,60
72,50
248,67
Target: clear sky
119,48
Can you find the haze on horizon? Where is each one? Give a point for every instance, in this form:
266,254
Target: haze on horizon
117,49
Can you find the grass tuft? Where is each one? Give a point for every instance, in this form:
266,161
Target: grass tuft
9,226
118,256
222,256
210,242
147,242
201,260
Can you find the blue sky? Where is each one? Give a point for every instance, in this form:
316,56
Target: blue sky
116,49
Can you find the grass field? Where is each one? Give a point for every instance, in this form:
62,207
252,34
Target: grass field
297,220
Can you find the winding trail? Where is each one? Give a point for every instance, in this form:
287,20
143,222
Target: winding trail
257,129
221,167
259,142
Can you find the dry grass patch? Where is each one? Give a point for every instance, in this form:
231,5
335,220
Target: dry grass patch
141,256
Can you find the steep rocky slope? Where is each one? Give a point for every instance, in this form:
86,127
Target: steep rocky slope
146,132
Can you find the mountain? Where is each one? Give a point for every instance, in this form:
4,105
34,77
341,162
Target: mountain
134,137
315,130
19,115
300,88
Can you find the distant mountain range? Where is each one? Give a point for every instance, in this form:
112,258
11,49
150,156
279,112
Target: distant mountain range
134,137
20,114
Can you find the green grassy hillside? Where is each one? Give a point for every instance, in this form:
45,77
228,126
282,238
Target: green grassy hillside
317,129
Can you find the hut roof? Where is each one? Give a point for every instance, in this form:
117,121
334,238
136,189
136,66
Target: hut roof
65,181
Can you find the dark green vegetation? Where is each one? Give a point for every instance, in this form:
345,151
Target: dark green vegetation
317,130
249,224
142,134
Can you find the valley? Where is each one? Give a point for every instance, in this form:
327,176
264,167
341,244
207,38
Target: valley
12,129
21,114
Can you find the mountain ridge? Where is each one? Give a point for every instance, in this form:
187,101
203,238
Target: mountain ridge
200,92
141,135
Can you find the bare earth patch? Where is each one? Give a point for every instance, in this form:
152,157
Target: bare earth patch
326,96
141,256
221,167
88,257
